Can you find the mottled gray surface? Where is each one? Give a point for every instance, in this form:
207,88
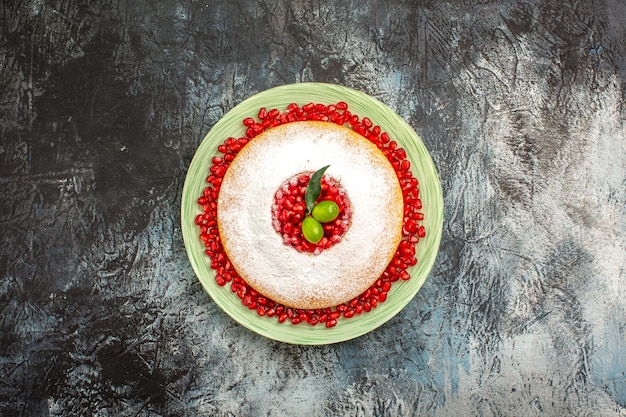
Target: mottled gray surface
102,105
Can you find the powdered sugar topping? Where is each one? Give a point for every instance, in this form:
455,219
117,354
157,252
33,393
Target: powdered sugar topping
257,251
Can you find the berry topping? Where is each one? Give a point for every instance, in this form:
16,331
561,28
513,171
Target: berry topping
289,212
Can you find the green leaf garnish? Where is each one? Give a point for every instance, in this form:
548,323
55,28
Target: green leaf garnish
314,188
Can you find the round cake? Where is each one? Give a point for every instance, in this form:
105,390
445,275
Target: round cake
258,253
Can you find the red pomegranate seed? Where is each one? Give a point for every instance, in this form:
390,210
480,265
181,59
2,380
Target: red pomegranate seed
273,113
257,128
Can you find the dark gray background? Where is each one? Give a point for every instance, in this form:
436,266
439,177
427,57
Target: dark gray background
521,104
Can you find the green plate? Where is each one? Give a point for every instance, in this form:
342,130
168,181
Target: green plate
422,166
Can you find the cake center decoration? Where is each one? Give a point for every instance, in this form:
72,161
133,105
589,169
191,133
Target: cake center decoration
311,212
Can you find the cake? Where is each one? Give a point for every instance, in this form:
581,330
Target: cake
247,229
244,191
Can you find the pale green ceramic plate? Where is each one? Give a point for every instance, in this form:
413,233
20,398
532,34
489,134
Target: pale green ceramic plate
423,168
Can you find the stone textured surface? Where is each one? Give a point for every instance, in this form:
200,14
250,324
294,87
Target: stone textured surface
521,104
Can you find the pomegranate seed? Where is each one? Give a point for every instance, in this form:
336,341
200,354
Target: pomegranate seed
273,113
360,129
257,128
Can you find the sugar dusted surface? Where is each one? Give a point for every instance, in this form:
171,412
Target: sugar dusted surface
256,250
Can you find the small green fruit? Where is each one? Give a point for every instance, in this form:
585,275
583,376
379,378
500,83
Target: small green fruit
312,230
325,211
